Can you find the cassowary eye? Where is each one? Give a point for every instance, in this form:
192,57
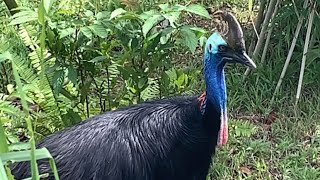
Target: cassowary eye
222,48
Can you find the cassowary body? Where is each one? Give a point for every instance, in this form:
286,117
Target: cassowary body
163,139
169,139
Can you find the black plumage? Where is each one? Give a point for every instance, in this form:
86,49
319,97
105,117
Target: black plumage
162,139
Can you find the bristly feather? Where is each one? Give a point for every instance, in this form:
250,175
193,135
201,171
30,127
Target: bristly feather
202,100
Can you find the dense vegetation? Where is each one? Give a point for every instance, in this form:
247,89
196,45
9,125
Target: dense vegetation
64,61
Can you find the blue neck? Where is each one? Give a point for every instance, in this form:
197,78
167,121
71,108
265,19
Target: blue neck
216,87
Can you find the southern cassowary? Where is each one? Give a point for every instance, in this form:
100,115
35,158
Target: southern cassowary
167,139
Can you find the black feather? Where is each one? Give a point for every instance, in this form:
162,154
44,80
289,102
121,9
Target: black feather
157,140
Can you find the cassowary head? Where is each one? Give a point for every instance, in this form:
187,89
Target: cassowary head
224,46
227,44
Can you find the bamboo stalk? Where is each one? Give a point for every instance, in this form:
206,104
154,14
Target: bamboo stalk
293,44
257,26
305,50
263,32
265,48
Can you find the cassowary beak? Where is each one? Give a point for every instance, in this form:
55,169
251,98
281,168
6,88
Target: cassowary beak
240,57
246,60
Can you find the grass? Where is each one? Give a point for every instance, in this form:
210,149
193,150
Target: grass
289,148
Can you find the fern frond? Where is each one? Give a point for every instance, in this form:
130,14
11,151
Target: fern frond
243,128
152,91
7,108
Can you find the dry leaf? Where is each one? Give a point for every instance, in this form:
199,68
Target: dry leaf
231,151
245,170
271,117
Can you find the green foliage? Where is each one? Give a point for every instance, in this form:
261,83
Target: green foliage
79,58
21,156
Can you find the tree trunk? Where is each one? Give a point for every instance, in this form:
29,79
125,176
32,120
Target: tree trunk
11,5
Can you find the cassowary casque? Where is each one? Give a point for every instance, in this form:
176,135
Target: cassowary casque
167,139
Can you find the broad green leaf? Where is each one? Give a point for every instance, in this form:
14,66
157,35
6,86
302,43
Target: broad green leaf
41,13
128,16
66,32
148,14
86,32
19,146
166,34
98,59
5,56
178,7
198,29
68,118
47,5
84,90
72,75
74,117
21,156
150,23
172,17
117,12
143,83
23,17
102,15
57,81
10,88
198,9
51,37
134,43
88,13
25,13
189,39
163,6
99,30
179,82
153,44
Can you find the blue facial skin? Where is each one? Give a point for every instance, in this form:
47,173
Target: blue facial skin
214,72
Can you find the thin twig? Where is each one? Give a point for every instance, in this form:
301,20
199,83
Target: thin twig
295,8
254,27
